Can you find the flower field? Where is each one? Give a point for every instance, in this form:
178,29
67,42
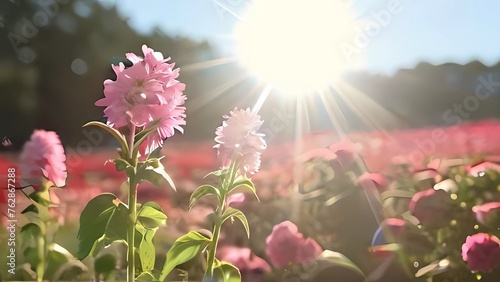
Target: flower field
345,225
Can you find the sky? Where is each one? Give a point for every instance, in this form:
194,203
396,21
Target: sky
426,30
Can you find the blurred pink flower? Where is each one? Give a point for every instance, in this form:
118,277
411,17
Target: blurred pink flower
477,169
238,138
377,179
346,152
393,229
431,207
243,259
488,213
286,245
144,92
442,166
341,154
481,252
43,155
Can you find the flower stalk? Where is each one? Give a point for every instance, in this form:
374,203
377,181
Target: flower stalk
132,203
209,272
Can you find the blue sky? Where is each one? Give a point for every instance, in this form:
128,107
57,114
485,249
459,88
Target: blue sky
434,31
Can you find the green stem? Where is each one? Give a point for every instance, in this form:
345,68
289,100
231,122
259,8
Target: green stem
40,268
132,212
132,201
209,272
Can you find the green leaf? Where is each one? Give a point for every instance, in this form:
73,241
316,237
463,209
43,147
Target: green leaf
202,191
245,182
30,208
184,249
32,229
143,134
218,173
147,250
94,221
41,197
115,133
97,247
339,260
153,171
227,272
232,213
105,264
56,257
434,268
116,230
121,164
396,194
151,215
30,233
145,276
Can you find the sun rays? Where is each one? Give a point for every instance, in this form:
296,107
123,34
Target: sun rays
302,65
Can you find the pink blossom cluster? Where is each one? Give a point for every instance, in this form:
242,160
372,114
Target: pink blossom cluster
239,140
145,92
287,245
43,156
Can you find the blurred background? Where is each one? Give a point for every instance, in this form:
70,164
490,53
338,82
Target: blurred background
424,59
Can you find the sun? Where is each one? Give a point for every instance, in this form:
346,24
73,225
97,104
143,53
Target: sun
295,46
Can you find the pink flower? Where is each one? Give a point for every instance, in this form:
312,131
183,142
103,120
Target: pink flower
239,140
341,154
44,156
431,207
346,152
286,245
144,92
488,214
393,229
481,252
480,168
377,179
173,118
243,259
236,198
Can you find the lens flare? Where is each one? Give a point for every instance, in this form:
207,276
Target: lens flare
295,46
